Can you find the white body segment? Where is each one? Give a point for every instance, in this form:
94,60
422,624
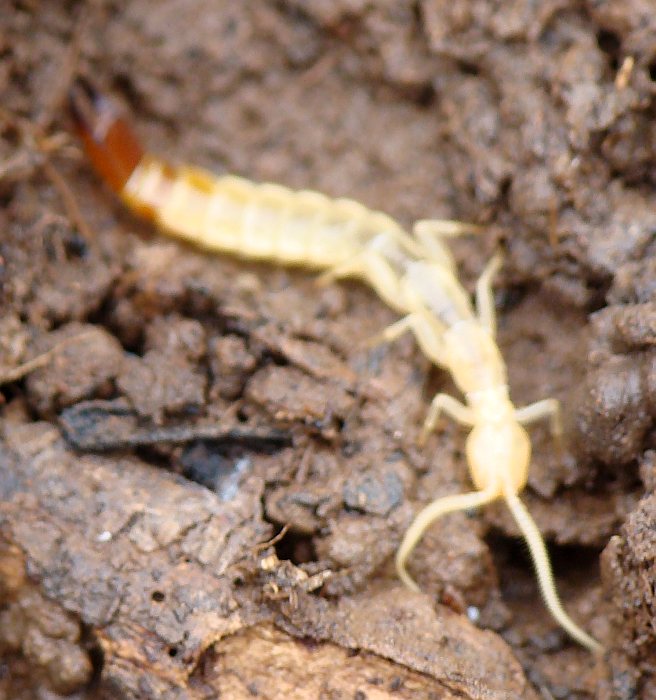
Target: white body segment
265,221
258,221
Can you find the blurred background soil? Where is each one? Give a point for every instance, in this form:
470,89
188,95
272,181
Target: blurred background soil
203,484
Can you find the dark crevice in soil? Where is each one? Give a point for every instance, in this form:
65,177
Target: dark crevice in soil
611,44
297,548
568,561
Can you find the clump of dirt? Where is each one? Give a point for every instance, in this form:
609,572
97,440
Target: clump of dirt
40,632
122,577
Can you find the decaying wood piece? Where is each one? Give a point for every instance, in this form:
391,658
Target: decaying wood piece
142,558
155,570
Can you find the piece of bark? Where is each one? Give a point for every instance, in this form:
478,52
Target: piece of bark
405,627
265,662
157,570
143,558
100,426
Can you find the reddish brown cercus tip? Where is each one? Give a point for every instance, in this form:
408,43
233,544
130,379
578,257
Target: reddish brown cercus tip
108,140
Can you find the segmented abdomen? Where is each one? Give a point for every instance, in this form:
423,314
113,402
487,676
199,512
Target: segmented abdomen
258,221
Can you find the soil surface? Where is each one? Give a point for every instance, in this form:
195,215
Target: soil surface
206,469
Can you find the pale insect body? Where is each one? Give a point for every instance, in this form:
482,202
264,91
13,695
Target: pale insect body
265,221
415,275
498,448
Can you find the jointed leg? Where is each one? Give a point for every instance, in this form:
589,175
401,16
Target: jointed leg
485,296
544,573
443,228
442,506
373,268
426,332
393,332
452,407
428,235
547,408
351,268
430,232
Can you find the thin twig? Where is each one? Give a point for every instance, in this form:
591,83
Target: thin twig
68,199
66,72
260,546
39,361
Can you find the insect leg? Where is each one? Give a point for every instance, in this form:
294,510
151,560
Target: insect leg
427,333
393,332
432,246
374,269
436,509
350,268
544,573
430,232
443,228
547,408
452,407
484,294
